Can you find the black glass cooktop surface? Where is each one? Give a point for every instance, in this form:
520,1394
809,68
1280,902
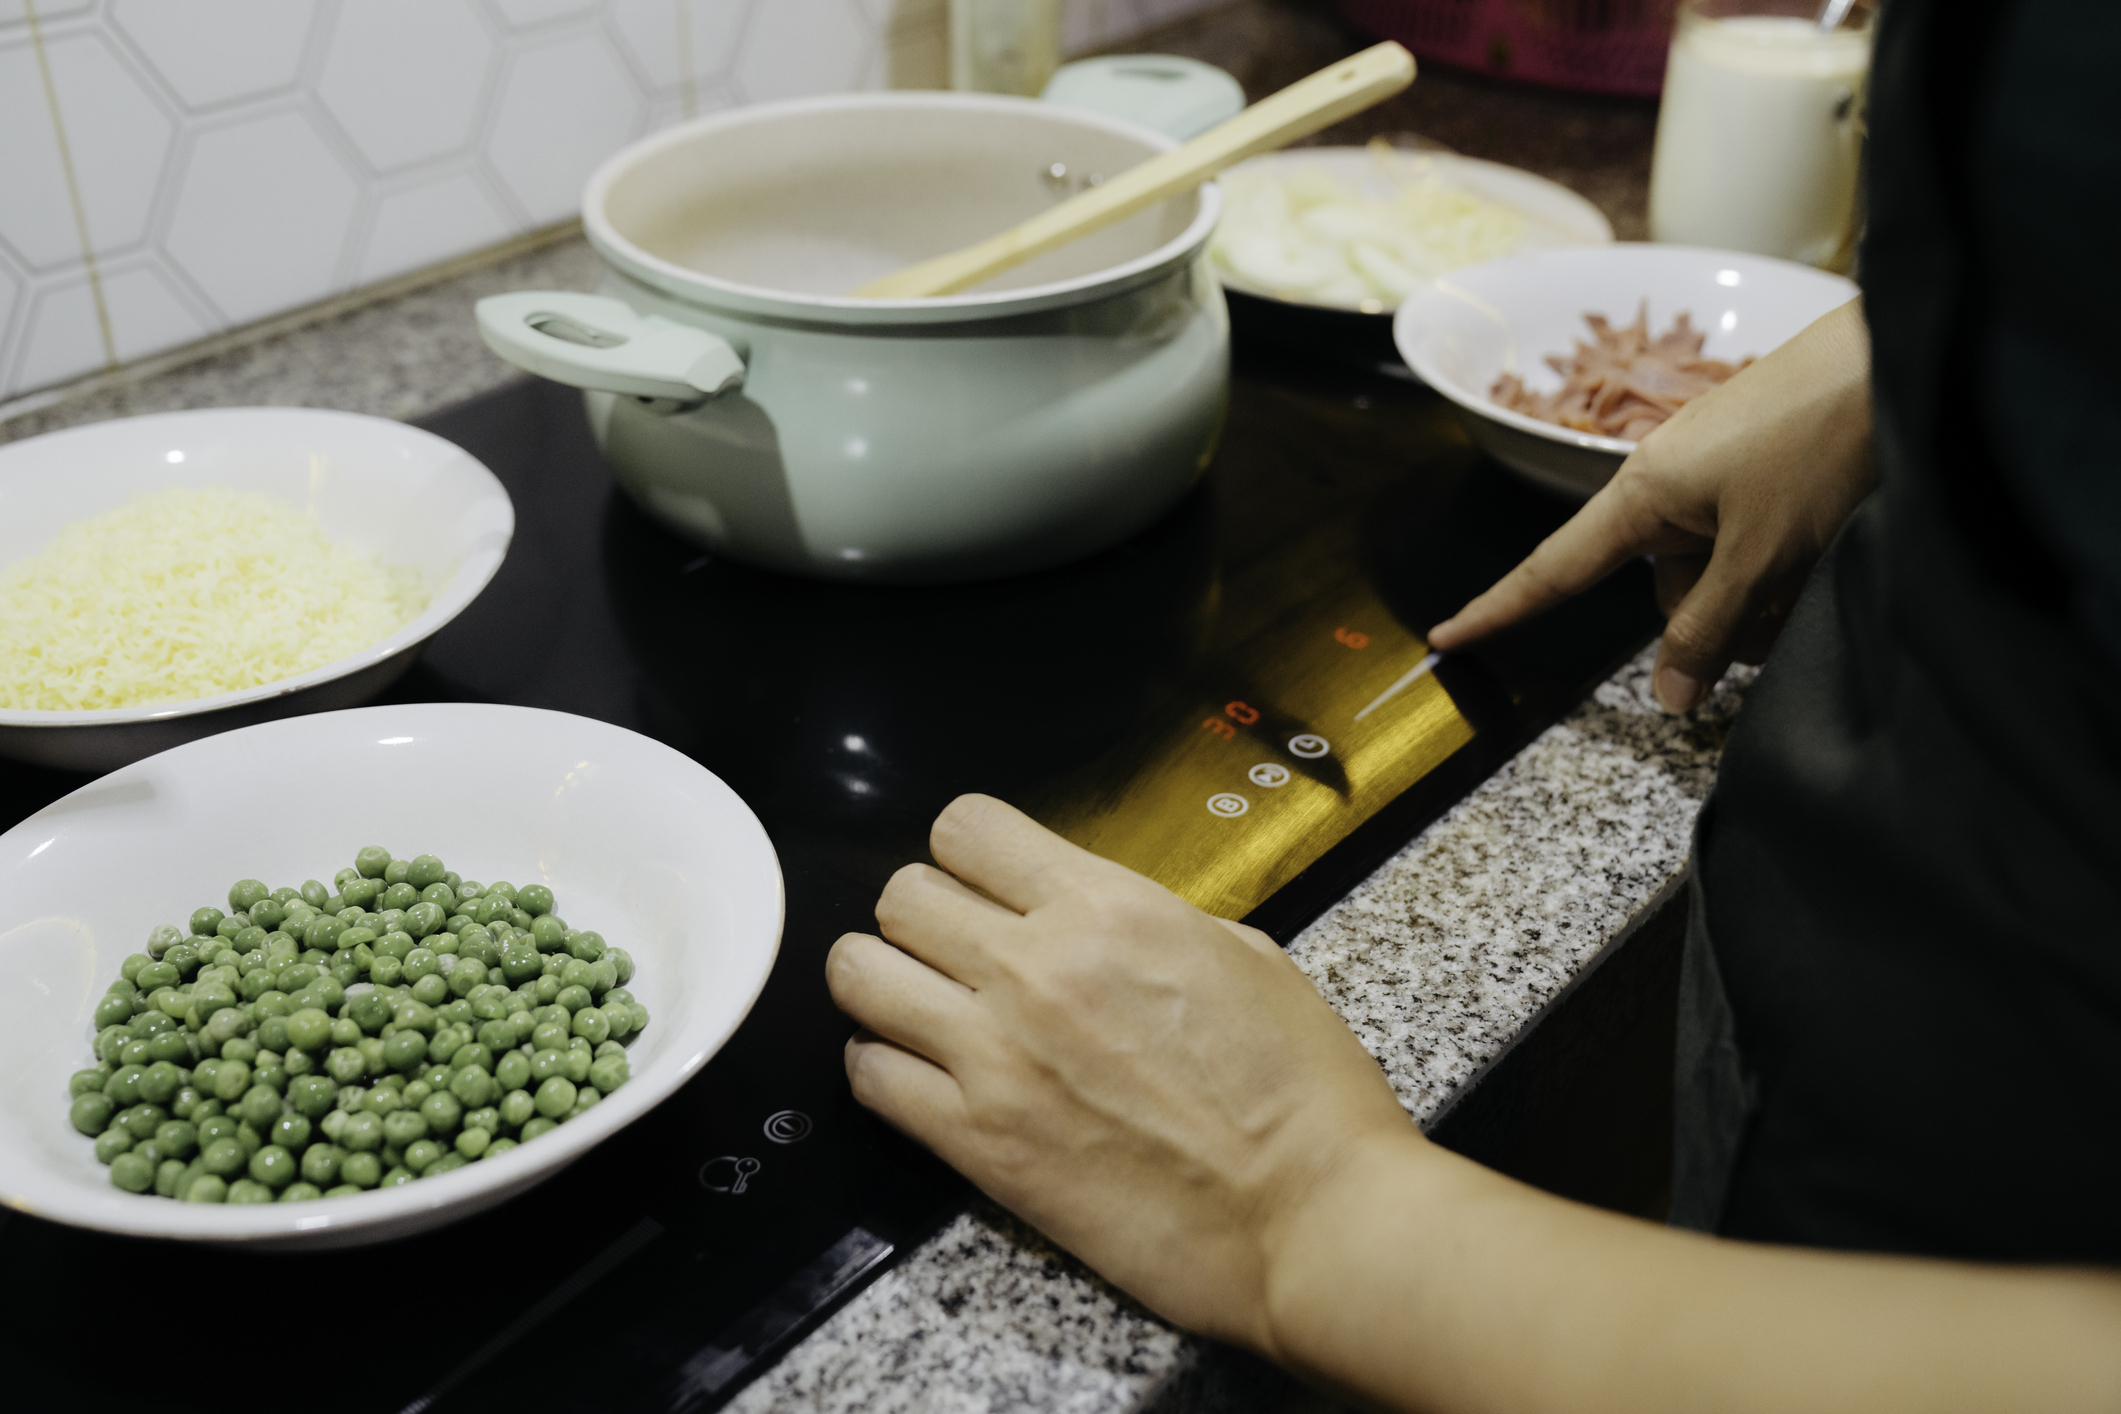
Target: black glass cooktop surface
1236,701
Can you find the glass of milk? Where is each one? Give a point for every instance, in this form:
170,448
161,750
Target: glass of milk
1760,133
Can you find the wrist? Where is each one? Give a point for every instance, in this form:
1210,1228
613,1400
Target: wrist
1311,1243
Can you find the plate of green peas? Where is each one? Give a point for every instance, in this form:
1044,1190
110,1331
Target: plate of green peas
357,1052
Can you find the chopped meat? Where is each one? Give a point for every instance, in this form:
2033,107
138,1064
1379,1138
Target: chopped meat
1626,383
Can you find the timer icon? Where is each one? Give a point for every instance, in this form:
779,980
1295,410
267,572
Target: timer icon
1309,745
1228,805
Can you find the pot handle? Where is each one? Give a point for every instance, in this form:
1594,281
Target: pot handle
593,341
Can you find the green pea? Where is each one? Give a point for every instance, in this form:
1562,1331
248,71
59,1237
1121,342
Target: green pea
468,973
361,893
311,1095
431,989
496,1035
573,998
426,869
441,896
586,947
538,1127
231,1081
166,1175
206,1188
268,914
346,1065
590,1024
111,1143
205,920
344,1031
173,1045
122,1087
473,1142
371,860
624,961
474,1087
402,1127
555,1097
422,919
421,1154
447,1163
314,893
371,1050
443,1111
141,1121
513,1071
368,1011
239,1048
517,1107
362,1133
177,1138
300,1193
113,1010
575,1062
519,962
294,977
545,1064
362,1170
272,1031
382,1100
308,1029
499,1147
290,1132
84,1082
226,1156
585,1097
156,975
321,1164
549,933
229,927
549,1036
534,899
132,1173
247,1190
398,1176
640,1015
419,963
129,969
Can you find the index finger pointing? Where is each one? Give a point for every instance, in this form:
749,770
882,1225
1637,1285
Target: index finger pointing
997,848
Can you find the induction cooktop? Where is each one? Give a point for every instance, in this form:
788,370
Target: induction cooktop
1237,702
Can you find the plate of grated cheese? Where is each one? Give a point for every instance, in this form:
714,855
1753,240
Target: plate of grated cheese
166,577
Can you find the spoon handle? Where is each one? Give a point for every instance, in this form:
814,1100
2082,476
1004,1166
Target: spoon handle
1353,84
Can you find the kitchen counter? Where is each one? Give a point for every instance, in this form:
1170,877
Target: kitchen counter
1441,961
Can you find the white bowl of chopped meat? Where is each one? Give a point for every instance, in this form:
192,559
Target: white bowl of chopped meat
163,578
1561,362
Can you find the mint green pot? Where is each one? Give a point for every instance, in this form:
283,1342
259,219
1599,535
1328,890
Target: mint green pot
743,399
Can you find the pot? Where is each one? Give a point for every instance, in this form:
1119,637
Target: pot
747,402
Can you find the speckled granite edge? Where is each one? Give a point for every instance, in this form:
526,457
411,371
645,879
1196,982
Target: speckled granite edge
1437,961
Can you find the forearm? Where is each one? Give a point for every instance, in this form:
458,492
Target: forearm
1417,1280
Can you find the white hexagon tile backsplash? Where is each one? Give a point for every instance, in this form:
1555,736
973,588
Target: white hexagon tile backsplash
173,168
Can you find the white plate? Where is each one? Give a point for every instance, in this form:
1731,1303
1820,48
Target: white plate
1506,316
637,841
1555,217
379,485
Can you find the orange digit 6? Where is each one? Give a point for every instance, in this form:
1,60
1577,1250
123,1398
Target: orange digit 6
1352,637
1242,714
1220,727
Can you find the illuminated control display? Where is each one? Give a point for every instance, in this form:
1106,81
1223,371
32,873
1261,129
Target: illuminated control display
1334,713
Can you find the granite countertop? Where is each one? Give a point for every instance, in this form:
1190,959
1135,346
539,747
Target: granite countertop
1438,961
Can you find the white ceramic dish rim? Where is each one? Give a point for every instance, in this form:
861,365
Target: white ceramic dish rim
271,1223
1447,287
474,572
1296,156
699,288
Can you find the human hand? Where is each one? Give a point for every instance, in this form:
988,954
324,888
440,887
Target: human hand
1736,498
1157,1090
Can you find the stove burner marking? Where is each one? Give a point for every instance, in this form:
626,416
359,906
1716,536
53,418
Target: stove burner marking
1220,727
1309,745
788,1127
739,1173
1413,675
1228,805
1243,713
1269,774
1354,638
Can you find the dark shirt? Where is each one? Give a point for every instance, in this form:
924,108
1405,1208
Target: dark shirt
1901,1021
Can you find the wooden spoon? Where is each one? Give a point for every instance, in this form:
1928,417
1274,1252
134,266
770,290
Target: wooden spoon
1353,84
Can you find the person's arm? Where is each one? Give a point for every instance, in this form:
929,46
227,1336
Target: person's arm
1736,497
1166,1095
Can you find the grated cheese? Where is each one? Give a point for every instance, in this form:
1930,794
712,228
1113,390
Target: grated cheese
188,593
